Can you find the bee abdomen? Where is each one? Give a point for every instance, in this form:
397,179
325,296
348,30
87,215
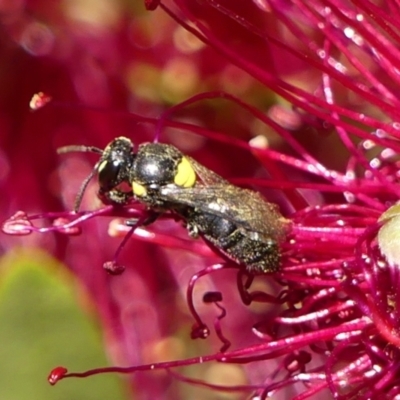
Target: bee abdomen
257,254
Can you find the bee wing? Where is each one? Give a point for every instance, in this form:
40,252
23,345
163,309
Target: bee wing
246,208
208,177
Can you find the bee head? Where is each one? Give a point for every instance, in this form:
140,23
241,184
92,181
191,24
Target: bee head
115,164
112,168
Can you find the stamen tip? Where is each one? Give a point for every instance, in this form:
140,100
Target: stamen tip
56,375
17,225
259,142
151,5
113,268
39,100
212,297
200,332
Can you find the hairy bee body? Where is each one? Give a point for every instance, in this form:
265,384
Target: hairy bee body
237,222
258,253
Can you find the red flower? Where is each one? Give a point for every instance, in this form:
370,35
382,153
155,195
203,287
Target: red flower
326,323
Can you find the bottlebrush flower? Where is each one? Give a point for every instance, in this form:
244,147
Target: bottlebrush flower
327,324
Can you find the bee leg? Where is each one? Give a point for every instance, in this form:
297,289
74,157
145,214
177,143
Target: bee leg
193,230
115,196
146,221
113,267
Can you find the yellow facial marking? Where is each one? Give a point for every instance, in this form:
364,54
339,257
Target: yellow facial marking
138,189
102,165
185,175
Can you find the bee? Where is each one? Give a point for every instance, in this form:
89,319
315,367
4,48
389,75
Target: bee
237,222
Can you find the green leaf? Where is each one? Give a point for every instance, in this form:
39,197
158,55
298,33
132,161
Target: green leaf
43,326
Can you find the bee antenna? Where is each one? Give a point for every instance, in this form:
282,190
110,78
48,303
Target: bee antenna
83,187
79,148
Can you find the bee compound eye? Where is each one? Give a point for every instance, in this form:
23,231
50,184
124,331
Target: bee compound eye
108,174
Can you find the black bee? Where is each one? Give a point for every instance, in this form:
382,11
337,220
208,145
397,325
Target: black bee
238,222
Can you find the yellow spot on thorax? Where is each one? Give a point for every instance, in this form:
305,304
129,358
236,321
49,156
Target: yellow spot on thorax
185,175
138,189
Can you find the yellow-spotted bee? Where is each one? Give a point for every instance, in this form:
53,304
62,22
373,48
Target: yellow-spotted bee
238,222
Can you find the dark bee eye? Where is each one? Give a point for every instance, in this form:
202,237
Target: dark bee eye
109,174
115,164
